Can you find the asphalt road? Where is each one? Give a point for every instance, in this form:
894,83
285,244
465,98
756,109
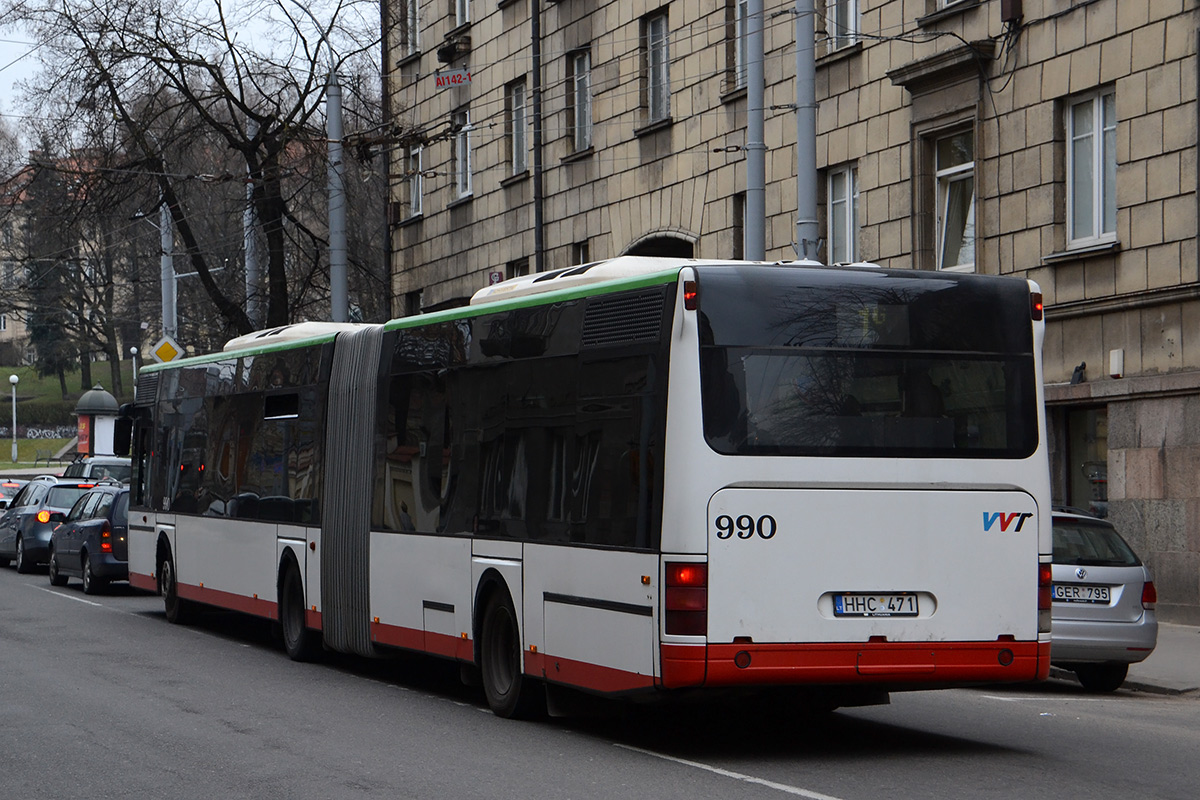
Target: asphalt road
102,698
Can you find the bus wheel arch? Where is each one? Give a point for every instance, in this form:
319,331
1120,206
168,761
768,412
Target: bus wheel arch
299,641
510,692
177,609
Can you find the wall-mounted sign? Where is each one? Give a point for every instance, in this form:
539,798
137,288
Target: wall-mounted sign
452,77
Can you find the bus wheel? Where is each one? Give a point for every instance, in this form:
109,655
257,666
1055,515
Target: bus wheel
178,610
301,642
509,693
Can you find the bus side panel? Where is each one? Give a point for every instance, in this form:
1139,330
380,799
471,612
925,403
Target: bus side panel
143,539
599,616
421,592
227,563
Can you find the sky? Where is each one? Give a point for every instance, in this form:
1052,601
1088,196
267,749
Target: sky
16,64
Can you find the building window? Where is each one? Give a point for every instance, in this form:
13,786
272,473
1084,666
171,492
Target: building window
3,322
1087,459
415,180
516,126
656,67
841,23
1092,169
410,42
954,169
579,104
842,194
515,269
737,13
581,252
462,12
461,122
739,225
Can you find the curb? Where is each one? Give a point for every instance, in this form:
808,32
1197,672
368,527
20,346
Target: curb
1132,684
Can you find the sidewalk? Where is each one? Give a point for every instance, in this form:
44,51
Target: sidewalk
1173,667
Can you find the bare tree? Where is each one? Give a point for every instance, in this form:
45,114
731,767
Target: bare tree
183,86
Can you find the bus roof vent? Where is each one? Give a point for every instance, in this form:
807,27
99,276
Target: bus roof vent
147,389
624,319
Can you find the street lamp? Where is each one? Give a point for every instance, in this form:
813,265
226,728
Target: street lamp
13,380
133,351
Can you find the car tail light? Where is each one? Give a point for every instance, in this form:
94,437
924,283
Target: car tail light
1045,583
43,516
686,598
106,538
1149,595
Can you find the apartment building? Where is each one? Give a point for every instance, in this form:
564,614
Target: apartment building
1051,139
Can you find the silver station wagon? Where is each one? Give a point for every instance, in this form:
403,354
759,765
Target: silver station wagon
1102,607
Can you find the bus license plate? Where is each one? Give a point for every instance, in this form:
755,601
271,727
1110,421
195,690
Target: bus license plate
1080,593
875,605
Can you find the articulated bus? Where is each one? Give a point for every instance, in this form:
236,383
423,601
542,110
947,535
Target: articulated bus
636,478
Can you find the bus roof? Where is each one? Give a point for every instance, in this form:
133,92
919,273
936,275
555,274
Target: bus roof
599,272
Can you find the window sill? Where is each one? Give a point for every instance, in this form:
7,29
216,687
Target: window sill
505,3
410,221
461,201
1087,251
654,127
733,95
842,53
411,58
513,180
947,12
578,155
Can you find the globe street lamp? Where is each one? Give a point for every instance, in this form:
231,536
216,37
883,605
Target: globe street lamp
13,380
133,353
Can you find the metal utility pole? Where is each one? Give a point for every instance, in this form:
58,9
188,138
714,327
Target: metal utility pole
250,245
539,245
166,234
339,305
756,148
807,231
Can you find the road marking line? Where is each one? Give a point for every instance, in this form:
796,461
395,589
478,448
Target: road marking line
738,776
69,597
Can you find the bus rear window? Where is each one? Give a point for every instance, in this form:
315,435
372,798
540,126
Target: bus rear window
879,365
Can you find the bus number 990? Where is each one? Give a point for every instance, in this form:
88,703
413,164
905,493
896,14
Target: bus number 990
745,526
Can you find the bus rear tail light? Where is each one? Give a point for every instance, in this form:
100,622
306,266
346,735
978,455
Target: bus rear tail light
1045,583
1149,595
686,601
106,538
690,295
1036,308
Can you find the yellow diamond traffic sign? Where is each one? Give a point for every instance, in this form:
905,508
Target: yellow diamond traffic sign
167,349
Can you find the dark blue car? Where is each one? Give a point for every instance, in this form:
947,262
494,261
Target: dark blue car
90,544
28,522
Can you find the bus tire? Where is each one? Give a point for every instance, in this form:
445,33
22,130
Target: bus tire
177,609
301,642
510,693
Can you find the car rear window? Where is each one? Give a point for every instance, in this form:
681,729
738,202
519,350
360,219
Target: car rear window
1091,544
64,496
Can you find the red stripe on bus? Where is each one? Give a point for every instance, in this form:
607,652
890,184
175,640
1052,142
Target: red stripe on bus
139,581
847,663
312,619
439,644
584,675
234,602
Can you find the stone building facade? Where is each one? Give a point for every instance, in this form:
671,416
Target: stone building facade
1052,139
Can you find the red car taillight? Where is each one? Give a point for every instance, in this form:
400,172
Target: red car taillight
1149,595
43,516
686,600
1045,583
106,538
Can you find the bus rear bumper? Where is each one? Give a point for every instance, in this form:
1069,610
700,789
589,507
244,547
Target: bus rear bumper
894,663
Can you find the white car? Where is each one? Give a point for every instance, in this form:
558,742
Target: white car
1102,606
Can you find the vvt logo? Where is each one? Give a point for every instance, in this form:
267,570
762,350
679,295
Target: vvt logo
1005,520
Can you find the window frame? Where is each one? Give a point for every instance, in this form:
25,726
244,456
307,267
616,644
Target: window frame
462,12
737,15
943,180
579,101
656,66
410,29
415,178
847,220
1103,164
516,125
461,152
841,33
